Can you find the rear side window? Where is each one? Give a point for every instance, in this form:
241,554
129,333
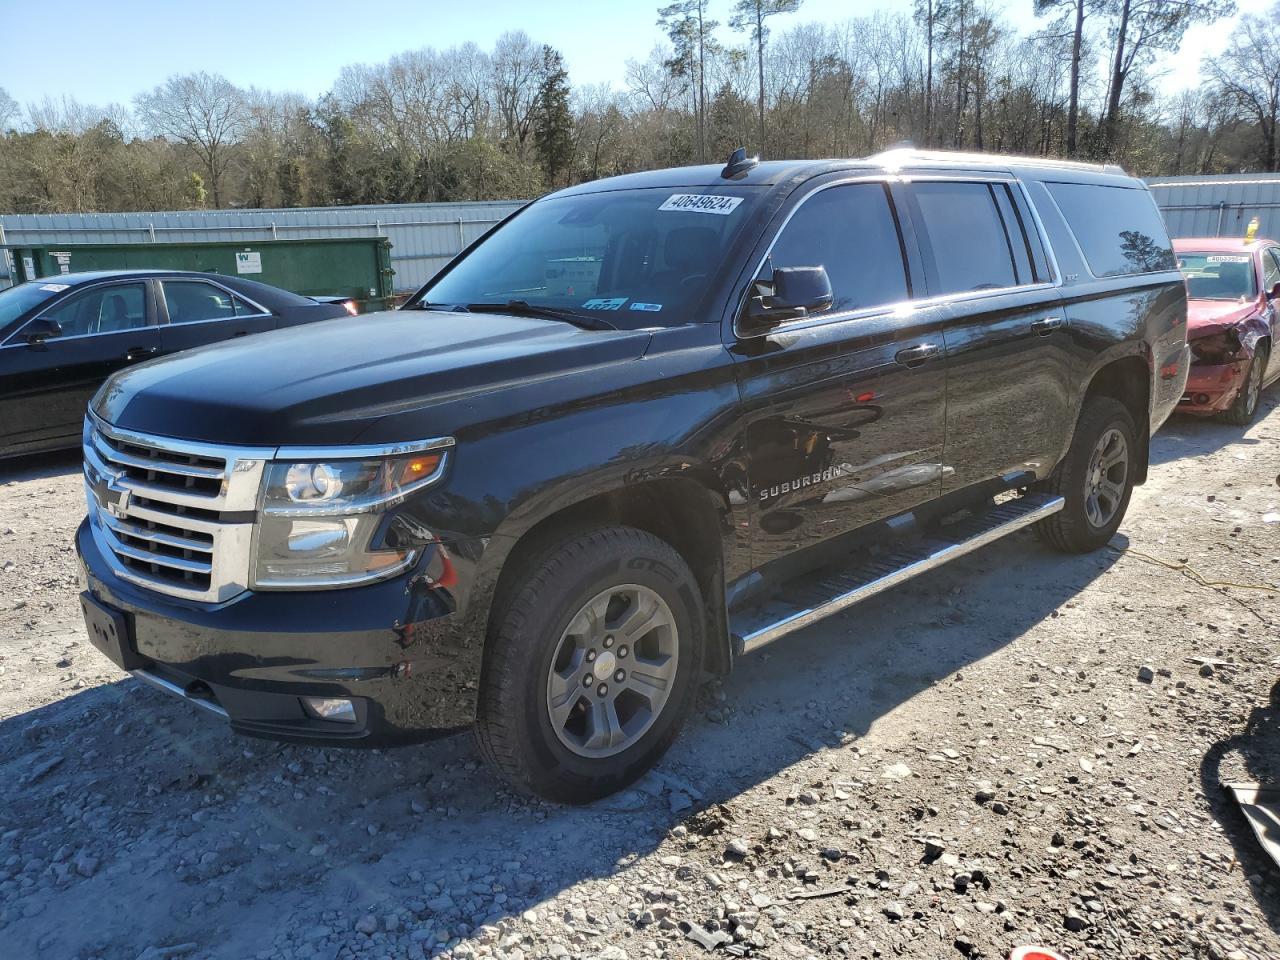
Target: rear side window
850,230
191,301
1118,228
967,244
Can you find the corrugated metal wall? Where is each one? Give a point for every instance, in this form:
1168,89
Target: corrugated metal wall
1219,206
424,236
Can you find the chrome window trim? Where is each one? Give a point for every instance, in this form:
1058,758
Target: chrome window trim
168,322
906,307
68,295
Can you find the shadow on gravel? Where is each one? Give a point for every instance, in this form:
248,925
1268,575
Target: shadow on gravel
1183,437
245,846
1258,746
37,466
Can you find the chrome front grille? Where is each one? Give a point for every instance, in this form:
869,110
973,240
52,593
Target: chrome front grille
174,516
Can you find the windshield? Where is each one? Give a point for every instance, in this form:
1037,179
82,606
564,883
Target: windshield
1219,276
636,258
15,301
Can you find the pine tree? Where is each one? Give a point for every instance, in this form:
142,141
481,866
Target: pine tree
553,122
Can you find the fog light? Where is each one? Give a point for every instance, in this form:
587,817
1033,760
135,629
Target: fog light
330,708
1202,398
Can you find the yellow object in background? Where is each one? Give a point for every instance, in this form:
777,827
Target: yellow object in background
1252,231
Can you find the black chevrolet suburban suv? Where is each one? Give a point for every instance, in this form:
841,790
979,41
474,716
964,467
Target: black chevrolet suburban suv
643,427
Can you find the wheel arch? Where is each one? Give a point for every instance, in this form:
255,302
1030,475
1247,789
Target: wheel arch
1128,380
688,510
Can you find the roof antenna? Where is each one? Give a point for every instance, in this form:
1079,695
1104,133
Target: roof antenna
739,164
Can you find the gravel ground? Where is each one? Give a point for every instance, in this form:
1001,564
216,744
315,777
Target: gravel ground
1016,749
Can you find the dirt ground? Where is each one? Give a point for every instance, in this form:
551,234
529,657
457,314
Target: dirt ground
967,763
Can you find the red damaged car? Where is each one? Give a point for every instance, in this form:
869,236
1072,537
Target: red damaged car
1231,289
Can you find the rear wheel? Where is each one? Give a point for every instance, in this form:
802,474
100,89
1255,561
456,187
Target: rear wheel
592,665
1095,478
1245,406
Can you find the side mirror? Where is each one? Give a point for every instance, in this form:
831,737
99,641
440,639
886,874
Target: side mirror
792,294
41,329
1274,292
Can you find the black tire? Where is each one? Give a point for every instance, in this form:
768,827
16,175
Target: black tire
1073,529
1244,408
514,729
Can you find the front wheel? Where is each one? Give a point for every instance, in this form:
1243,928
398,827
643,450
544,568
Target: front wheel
1245,406
592,665
1095,478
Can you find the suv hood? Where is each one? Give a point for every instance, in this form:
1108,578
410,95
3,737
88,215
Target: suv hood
1207,317
327,382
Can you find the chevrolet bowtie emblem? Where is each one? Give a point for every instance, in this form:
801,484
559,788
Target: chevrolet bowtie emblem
113,499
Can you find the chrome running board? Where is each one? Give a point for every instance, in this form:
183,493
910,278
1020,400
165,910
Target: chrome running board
810,598
160,683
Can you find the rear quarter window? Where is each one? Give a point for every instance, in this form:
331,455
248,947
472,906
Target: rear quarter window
1119,229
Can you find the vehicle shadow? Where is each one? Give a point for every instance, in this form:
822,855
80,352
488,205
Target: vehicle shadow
1186,436
39,466
235,844
1256,751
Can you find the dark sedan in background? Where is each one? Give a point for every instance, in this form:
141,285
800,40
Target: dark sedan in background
61,337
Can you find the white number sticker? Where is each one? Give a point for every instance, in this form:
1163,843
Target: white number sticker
700,203
1226,259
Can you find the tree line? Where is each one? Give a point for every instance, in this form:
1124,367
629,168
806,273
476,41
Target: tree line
465,123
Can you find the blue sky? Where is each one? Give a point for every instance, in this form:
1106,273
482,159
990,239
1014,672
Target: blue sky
101,52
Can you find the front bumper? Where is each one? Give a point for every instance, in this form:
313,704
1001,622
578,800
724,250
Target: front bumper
1212,388
396,649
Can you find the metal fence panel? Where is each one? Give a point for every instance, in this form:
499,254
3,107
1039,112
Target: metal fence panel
1219,206
424,236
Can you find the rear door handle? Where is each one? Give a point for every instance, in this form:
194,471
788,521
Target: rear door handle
137,353
1048,325
914,356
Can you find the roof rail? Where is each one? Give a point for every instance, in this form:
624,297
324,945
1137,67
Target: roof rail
905,155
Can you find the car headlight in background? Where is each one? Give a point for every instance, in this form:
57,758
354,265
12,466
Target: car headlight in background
324,521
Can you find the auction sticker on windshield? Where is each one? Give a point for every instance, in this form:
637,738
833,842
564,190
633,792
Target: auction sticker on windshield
1226,259
605,303
700,203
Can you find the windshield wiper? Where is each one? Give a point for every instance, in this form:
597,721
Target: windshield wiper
524,308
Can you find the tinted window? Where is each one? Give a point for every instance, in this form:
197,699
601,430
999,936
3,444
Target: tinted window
1118,228
190,301
1271,267
638,258
16,301
966,236
121,306
1219,276
851,231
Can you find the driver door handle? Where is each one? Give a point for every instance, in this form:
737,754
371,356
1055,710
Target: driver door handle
914,356
1048,325
138,353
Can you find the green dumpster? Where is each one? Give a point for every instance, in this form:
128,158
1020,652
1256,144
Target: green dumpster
357,267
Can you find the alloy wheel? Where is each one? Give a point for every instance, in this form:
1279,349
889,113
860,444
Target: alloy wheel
613,671
1106,478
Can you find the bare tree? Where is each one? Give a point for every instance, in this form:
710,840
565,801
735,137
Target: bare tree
749,16
8,110
1075,13
202,110
1248,75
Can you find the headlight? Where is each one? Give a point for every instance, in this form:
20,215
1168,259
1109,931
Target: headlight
325,522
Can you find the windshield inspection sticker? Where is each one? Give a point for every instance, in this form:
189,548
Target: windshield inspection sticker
700,203
54,287
605,303
647,307
1226,259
